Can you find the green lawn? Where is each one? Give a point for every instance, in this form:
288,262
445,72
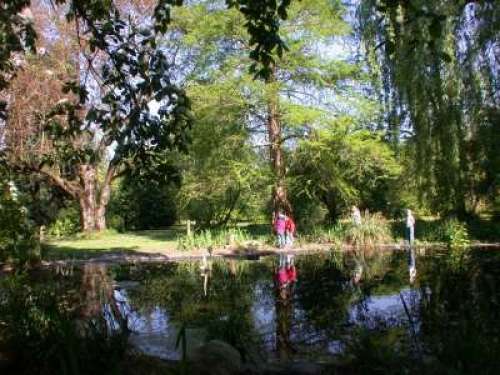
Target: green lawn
150,241
167,241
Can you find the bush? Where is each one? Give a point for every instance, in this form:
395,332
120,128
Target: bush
309,213
450,231
66,223
18,240
141,205
374,229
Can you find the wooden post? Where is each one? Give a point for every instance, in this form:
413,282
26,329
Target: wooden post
188,228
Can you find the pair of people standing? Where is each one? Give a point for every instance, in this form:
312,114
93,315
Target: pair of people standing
284,226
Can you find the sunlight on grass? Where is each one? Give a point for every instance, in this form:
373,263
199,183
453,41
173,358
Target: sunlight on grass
152,241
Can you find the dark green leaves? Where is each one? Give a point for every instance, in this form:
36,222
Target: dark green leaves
16,35
162,14
263,20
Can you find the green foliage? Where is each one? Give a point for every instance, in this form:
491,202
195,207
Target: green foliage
321,234
17,34
141,204
455,233
373,230
210,238
18,241
66,223
224,179
262,21
339,166
223,96
430,61
452,232
308,212
117,112
130,55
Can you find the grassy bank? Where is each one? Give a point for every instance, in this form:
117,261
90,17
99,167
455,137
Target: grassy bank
374,230
109,242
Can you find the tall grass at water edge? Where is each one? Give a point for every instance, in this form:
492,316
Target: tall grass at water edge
215,238
374,230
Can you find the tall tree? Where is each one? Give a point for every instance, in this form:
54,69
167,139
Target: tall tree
438,65
293,82
112,74
127,74
342,165
224,176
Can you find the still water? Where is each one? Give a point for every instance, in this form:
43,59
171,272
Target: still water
434,306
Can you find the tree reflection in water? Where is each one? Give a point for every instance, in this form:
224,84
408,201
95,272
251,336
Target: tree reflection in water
368,305
285,277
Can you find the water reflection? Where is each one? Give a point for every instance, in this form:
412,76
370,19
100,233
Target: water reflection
206,272
285,277
412,266
311,306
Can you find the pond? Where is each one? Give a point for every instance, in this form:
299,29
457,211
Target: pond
434,306
369,310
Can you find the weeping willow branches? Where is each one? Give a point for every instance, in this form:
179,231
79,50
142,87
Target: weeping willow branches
437,62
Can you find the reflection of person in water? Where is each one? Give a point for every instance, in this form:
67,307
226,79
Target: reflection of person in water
206,271
284,278
412,267
358,272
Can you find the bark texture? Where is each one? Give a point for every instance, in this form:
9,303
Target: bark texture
274,129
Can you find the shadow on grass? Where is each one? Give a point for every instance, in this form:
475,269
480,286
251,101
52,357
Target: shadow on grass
170,234
52,252
132,243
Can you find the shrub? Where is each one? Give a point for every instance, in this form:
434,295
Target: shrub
139,204
374,229
67,222
18,241
450,231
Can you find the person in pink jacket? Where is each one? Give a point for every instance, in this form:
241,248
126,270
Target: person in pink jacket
279,226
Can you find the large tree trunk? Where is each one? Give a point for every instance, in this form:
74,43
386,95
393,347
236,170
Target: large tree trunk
104,196
87,197
92,200
100,218
280,199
